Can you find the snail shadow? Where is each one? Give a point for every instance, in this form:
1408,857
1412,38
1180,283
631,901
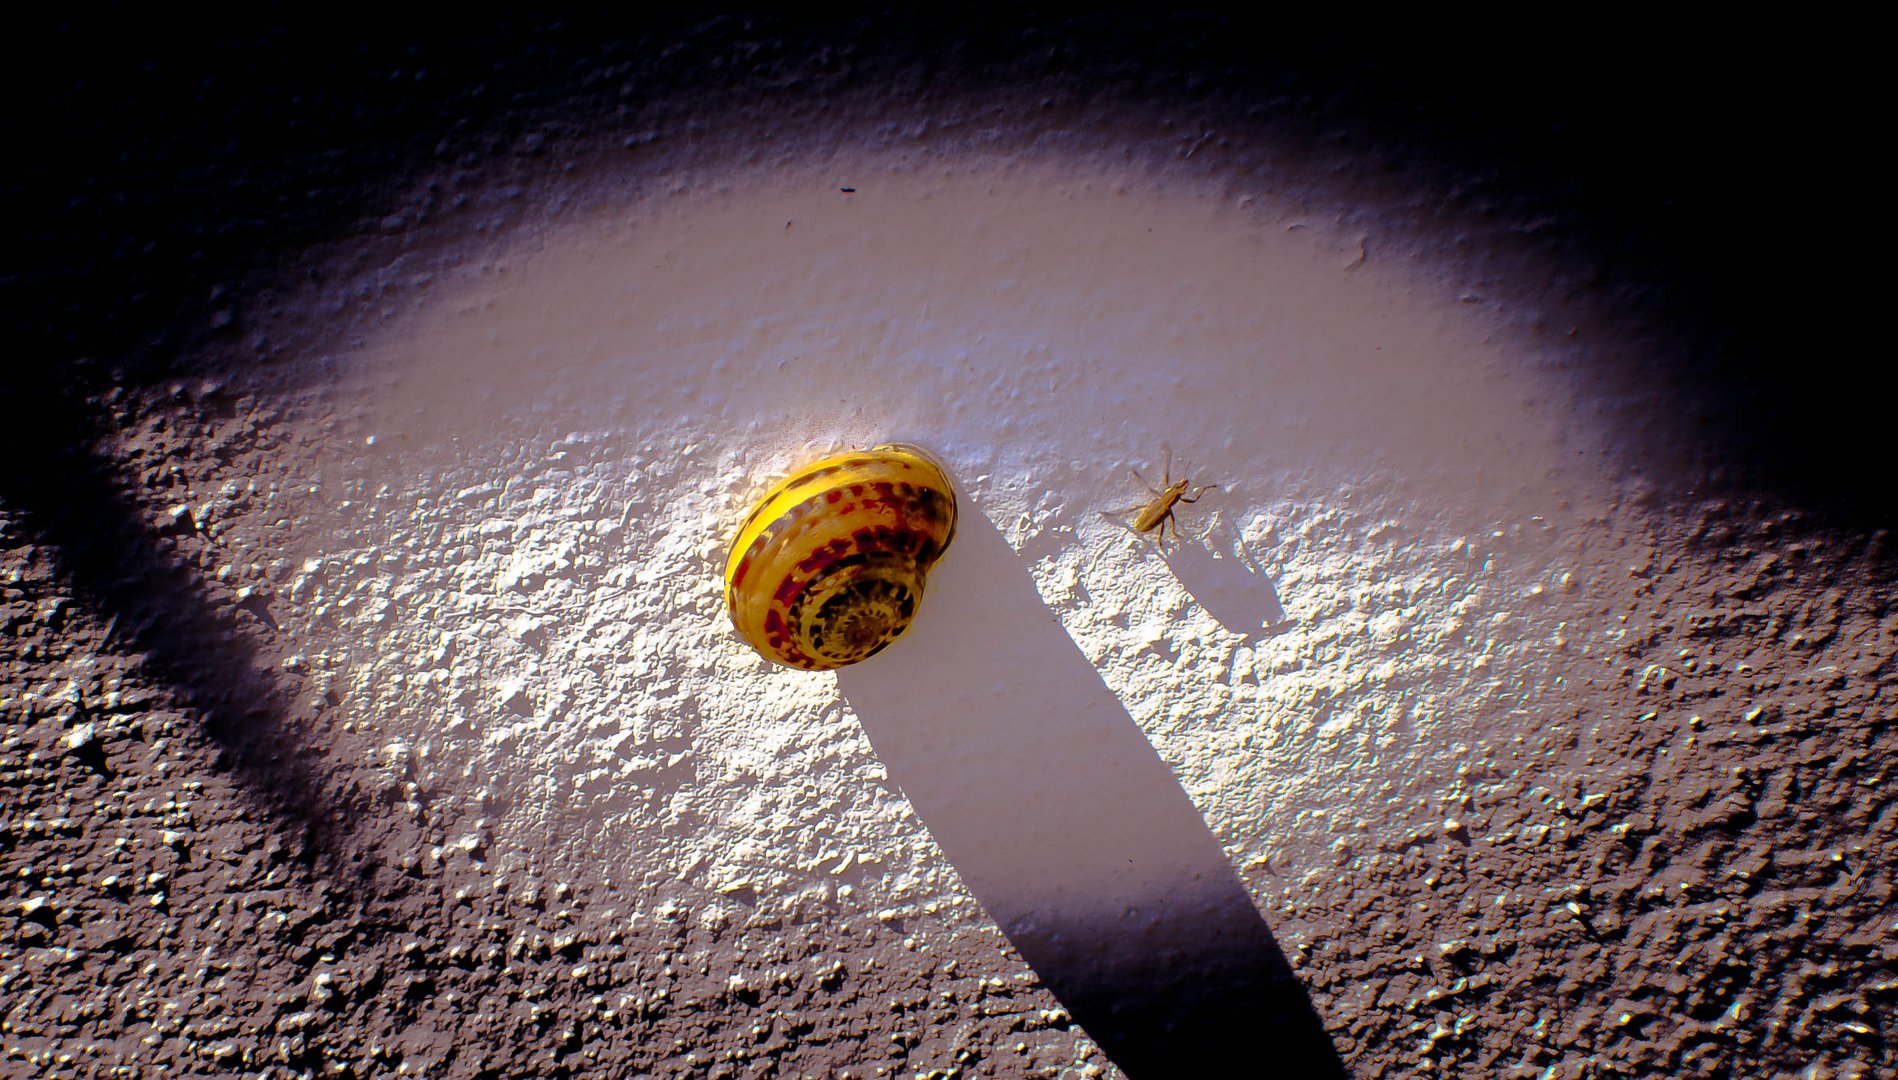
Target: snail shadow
1223,577
1074,833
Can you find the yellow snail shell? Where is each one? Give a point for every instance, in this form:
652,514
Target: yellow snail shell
830,567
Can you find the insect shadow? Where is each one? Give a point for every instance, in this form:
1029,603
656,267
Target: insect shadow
1227,580
1217,570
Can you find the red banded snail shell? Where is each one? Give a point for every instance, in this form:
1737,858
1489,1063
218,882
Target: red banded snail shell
830,567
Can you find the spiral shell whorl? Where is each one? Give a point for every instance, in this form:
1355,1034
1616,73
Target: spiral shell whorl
831,566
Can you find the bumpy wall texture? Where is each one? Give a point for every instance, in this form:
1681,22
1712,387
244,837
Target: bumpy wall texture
371,706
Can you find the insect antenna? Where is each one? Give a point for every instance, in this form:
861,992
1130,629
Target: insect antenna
1197,492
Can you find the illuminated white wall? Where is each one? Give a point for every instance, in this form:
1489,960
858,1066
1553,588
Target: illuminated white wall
511,532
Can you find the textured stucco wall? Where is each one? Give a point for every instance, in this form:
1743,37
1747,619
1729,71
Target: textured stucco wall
509,548
464,480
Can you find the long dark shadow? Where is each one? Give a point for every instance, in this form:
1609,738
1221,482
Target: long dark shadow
135,576
1074,834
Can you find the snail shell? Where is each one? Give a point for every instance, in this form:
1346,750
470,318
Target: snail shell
830,567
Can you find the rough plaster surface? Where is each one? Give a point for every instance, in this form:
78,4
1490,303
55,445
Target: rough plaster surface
1538,749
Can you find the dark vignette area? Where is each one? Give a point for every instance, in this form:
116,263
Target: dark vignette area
1708,173
171,164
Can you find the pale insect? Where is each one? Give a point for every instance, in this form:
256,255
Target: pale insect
1155,513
